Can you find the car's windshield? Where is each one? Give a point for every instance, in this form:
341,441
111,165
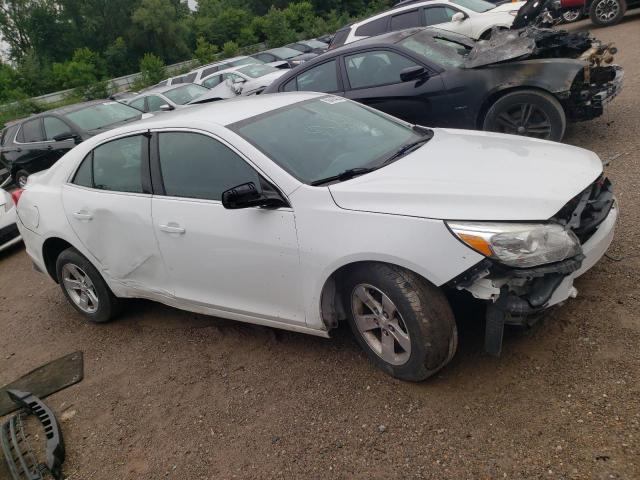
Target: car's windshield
255,71
314,44
475,5
324,137
444,51
284,52
245,61
101,115
185,94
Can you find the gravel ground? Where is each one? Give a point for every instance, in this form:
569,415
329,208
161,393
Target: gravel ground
169,394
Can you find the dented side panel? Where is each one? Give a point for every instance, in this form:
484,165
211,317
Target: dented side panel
101,220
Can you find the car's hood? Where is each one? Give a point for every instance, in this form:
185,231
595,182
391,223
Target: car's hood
261,82
468,175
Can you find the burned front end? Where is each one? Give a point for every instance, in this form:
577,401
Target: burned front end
595,85
518,293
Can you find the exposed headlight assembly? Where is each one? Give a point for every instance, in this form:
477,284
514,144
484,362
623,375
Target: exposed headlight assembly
518,244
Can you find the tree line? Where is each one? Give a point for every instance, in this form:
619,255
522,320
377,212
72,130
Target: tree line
80,44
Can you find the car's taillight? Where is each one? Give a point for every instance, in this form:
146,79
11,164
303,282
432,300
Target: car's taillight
16,194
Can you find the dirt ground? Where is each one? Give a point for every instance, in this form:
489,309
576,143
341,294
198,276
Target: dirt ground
169,394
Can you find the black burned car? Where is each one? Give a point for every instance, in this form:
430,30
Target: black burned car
529,82
33,144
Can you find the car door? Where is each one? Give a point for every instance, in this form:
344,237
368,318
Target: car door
31,147
108,205
441,15
53,127
243,262
373,78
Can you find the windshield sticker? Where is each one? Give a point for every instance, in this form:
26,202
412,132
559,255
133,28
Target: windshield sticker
333,100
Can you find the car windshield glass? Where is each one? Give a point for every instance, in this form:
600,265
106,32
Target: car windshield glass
185,94
437,48
255,71
102,115
245,61
314,44
284,52
475,5
324,137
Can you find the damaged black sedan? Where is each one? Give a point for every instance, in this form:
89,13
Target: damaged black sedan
529,82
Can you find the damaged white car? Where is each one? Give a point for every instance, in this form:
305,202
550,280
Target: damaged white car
300,210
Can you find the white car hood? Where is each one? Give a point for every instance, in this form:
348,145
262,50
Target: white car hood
469,175
262,82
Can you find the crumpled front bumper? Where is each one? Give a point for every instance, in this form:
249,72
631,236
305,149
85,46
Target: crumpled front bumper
588,103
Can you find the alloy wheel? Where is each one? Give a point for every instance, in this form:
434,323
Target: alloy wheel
380,324
525,119
606,10
80,288
571,15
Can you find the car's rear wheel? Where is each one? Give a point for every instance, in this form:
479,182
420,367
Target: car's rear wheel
607,12
85,288
530,113
21,177
404,324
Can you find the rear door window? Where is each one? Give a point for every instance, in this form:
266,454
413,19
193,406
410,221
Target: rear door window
438,15
212,81
406,20
116,166
8,134
372,28
31,131
138,104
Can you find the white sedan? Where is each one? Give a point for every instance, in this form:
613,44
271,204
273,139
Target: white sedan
301,210
473,18
244,80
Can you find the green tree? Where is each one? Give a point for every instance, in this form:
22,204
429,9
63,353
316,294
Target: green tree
205,52
276,28
152,71
117,59
230,49
158,28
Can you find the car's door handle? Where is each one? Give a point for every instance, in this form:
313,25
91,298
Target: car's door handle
83,215
49,147
172,228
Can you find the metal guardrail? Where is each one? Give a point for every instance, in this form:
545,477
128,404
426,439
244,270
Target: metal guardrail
122,83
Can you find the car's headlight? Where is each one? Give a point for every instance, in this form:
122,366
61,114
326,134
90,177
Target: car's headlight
518,244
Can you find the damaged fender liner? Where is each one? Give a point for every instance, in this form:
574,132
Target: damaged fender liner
538,283
18,454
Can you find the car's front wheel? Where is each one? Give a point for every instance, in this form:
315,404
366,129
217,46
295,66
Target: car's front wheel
85,288
605,13
404,324
571,15
531,113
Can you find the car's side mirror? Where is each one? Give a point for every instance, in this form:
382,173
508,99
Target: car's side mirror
166,107
61,137
413,73
458,17
247,196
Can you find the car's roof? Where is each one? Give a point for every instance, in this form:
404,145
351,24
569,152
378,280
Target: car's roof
60,110
226,112
396,9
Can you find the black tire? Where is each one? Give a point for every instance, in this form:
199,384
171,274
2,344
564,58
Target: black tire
605,13
424,313
545,110
108,307
20,178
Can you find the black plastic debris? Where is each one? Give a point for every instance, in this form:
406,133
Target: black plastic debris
14,440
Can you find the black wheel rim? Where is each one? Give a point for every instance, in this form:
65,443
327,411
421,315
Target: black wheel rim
524,119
